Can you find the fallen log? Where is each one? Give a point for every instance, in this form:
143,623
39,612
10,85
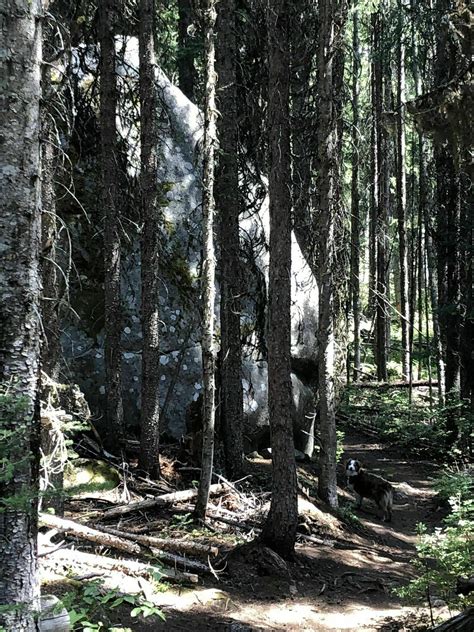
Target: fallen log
119,543
165,499
126,566
86,533
167,544
399,384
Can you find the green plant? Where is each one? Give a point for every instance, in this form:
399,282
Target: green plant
458,485
347,515
88,606
447,553
14,459
181,520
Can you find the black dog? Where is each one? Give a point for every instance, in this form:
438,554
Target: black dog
367,485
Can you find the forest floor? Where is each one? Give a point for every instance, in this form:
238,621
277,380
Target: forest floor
345,582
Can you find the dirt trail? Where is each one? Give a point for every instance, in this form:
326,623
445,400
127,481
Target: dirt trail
347,586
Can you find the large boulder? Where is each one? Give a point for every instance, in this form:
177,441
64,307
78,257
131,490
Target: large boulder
179,176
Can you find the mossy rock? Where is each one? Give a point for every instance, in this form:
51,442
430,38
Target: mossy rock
89,475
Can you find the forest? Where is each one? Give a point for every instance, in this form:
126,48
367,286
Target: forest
236,315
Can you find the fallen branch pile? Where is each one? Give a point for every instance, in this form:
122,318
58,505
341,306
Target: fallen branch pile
150,549
141,535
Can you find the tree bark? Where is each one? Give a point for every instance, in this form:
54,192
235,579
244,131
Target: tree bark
467,287
20,287
209,264
126,566
329,203
433,291
375,71
447,235
110,200
150,247
355,195
164,499
382,203
279,531
228,206
402,199
186,68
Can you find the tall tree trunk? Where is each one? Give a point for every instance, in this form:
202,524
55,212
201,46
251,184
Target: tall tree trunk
228,205
467,286
20,287
279,531
186,68
110,199
150,413
375,71
447,238
208,347
355,195
448,217
402,198
382,201
433,290
329,33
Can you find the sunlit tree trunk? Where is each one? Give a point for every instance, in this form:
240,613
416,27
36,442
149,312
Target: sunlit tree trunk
150,413
20,287
208,275
279,531
110,200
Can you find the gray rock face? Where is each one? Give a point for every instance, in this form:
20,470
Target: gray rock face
180,382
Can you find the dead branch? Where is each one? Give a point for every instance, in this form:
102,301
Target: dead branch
385,385
168,544
165,499
130,567
86,533
119,543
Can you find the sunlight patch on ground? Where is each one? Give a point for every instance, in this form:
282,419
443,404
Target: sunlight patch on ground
303,616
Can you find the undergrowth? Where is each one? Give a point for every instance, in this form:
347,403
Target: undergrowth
89,607
415,426
447,553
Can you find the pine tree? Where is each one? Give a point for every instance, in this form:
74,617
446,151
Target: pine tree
150,415
208,276
355,195
279,531
20,286
332,15
228,206
112,247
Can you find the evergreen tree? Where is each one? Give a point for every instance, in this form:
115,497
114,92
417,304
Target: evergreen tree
228,206
111,205
332,14
20,286
208,276
151,217
279,531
